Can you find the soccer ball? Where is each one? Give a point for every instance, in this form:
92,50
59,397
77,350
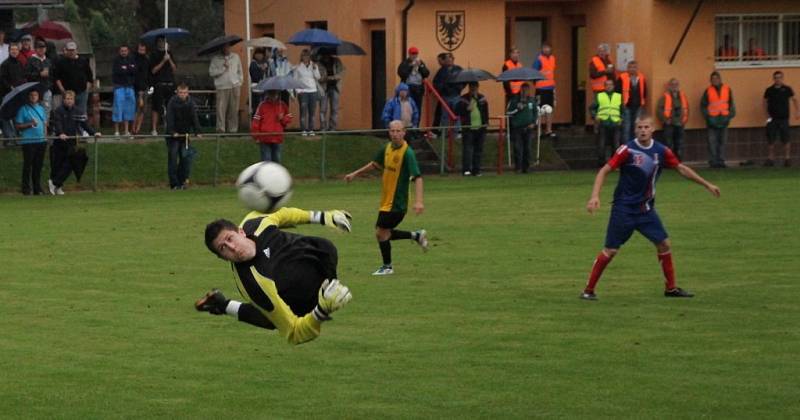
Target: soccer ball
264,187
547,109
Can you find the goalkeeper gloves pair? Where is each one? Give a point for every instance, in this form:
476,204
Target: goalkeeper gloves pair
335,219
333,295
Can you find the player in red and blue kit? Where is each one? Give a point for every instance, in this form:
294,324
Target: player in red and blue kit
640,162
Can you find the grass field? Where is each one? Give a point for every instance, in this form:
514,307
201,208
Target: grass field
96,319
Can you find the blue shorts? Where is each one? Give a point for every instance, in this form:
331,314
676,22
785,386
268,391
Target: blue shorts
124,104
621,225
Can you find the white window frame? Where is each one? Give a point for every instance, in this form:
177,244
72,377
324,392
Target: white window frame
750,64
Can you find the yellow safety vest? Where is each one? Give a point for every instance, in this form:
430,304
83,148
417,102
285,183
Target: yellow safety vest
608,108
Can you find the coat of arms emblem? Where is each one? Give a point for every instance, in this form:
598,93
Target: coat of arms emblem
450,28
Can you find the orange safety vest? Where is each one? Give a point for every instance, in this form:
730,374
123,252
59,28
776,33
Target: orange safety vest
548,70
515,86
668,107
718,103
599,83
626,87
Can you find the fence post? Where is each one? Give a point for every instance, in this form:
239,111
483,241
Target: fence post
441,156
96,161
324,153
216,162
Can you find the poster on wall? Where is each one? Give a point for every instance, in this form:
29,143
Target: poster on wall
624,55
450,28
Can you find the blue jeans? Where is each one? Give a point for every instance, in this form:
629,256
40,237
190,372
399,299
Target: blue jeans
329,110
308,104
270,152
452,101
177,165
472,150
629,116
716,145
80,102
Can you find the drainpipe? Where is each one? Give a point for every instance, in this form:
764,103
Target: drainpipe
405,29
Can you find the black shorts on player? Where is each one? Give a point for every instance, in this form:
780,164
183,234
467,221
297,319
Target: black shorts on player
778,128
389,219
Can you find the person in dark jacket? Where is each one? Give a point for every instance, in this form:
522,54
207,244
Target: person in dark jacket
123,76
451,92
413,72
523,111
12,74
142,84
260,69
39,69
473,109
162,75
67,126
181,120
72,72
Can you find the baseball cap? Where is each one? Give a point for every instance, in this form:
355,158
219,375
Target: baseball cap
413,50
28,37
71,45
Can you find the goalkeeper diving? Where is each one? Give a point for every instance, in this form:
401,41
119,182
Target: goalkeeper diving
288,281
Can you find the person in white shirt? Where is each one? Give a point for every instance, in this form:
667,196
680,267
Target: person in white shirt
307,73
3,46
226,69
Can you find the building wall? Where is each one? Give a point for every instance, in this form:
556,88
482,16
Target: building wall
349,20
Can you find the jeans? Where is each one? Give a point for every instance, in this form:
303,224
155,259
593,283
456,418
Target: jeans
521,139
716,145
606,135
673,137
9,131
32,162
329,110
270,152
472,150
416,92
629,116
308,101
80,102
452,101
177,166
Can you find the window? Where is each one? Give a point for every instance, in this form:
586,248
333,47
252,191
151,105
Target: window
757,40
318,24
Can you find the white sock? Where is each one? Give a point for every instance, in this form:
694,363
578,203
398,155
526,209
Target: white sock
233,308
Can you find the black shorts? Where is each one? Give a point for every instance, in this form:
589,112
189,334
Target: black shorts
778,128
546,97
162,92
389,219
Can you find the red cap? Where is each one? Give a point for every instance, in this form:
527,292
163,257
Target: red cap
413,50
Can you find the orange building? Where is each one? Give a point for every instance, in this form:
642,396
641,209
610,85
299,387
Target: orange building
717,33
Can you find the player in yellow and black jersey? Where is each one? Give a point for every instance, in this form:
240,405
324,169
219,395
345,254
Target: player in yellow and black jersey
288,281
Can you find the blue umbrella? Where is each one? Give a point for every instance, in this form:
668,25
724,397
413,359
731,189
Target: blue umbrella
520,74
14,100
278,83
170,34
315,38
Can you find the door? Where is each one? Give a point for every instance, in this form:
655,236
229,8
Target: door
579,75
378,68
529,33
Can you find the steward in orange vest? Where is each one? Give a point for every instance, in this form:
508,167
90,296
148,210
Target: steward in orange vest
717,103
673,111
512,88
600,69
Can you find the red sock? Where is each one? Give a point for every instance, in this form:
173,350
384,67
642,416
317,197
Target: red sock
599,265
669,271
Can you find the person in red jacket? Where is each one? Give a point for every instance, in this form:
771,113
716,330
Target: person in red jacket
272,116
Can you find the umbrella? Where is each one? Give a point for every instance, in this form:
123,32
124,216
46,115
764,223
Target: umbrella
471,75
217,43
520,74
48,30
15,99
77,160
266,42
278,83
170,34
314,38
345,48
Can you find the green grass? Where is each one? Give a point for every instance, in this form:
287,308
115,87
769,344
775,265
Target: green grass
97,321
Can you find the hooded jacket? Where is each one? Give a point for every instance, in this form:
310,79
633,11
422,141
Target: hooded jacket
393,110
266,120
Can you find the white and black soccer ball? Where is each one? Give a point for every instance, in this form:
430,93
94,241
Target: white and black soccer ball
264,187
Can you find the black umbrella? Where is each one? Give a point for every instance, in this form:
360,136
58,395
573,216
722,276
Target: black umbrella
14,100
520,74
170,34
217,43
471,75
345,48
278,83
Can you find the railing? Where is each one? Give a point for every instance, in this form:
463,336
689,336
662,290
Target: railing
429,88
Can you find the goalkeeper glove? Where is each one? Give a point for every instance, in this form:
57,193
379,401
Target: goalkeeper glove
336,219
333,295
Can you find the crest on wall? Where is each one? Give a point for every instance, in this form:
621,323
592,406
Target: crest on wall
450,28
